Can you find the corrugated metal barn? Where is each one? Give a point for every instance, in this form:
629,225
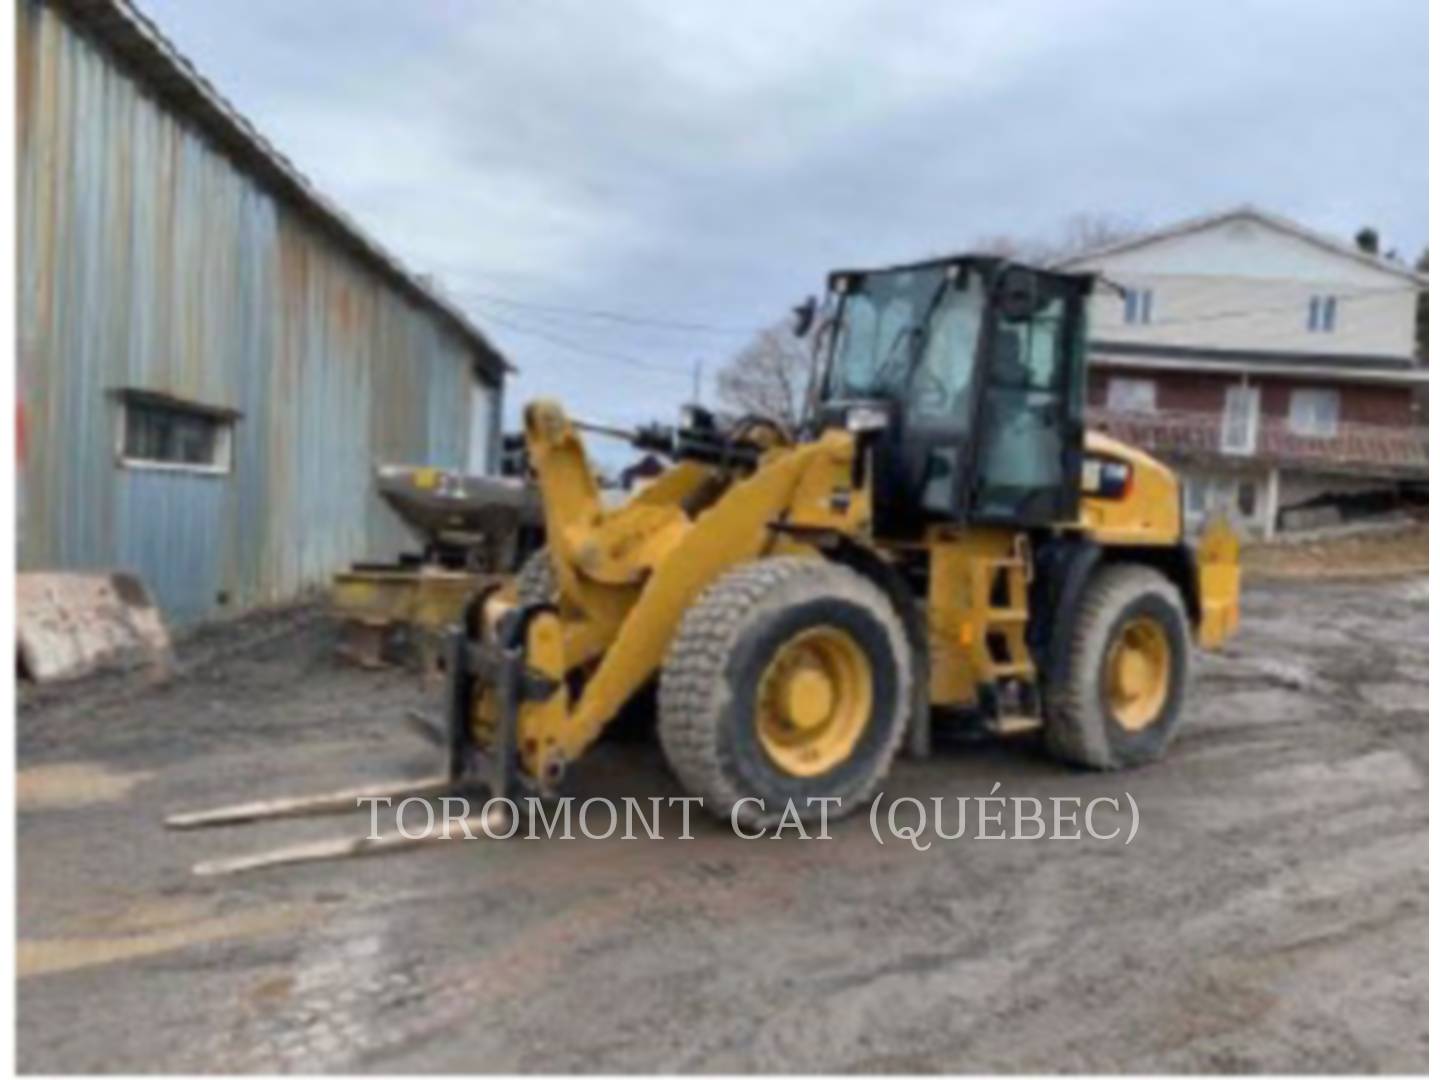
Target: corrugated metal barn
212,357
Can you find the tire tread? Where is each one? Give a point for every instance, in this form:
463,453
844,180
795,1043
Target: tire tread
1075,724
694,691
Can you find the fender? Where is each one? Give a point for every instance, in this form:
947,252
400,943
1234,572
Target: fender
1064,568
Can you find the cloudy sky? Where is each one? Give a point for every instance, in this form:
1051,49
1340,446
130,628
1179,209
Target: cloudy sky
702,166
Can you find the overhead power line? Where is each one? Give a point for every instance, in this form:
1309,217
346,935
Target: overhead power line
625,337
631,319
579,348
625,318
586,350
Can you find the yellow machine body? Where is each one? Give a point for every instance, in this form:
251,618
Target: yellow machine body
625,577
939,543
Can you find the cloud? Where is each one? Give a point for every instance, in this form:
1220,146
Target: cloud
708,163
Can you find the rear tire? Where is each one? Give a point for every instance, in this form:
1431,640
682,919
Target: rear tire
718,725
1124,694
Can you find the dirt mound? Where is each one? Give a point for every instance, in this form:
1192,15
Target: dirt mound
1404,549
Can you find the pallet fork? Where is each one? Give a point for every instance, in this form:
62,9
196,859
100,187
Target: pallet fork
497,664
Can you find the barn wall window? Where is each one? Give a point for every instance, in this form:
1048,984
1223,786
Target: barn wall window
157,432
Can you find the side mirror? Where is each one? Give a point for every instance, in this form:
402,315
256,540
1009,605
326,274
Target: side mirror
804,316
1018,293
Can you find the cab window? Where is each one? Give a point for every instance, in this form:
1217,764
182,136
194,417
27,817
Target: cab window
940,386
1027,423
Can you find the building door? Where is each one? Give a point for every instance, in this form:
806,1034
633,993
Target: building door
482,429
1241,420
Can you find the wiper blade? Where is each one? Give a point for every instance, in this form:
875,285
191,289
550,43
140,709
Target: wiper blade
916,331
882,374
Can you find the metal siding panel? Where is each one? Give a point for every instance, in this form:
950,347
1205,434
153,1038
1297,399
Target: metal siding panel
148,259
169,536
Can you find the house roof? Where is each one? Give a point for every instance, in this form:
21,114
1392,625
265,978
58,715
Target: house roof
155,60
1103,356
1262,217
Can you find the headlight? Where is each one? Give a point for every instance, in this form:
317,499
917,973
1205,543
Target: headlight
866,418
1105,478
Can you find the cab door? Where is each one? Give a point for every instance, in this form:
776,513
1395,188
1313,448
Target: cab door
922,458
1030,423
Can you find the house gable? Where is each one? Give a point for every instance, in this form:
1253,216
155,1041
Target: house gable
1247,286
1247,244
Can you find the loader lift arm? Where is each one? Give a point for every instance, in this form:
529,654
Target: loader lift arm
625,578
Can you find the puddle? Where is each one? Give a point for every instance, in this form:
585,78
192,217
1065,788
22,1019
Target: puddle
143,916
46,956
77,783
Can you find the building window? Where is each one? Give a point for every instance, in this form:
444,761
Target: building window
160,433
1195,490
1321,316
1138,305
1245,499
1315,412
1241,420
1205,495
1232,496
1130,395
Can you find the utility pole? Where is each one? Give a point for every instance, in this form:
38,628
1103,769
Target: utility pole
699,370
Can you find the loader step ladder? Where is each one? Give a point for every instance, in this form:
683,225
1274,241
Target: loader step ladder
999,589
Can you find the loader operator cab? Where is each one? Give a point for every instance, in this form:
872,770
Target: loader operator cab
964,376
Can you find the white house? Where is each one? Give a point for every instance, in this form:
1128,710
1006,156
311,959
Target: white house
1273,365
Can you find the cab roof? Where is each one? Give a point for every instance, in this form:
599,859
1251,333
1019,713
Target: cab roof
987,264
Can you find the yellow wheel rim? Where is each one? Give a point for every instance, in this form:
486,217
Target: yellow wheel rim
813,701
1137,673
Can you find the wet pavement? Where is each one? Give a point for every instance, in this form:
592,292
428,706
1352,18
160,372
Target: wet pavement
1270,913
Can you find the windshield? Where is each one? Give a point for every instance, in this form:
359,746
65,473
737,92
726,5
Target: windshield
911,335
940,389
879,324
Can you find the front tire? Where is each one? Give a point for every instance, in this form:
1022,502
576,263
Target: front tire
1124,694
789,680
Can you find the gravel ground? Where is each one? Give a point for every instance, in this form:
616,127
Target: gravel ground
1269,915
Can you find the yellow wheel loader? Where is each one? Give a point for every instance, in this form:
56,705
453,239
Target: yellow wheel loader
940,542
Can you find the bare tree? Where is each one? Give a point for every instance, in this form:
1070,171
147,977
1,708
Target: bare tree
769,376
1086,232
1079,233
1003,246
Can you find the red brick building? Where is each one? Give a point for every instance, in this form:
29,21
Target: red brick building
1272,366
